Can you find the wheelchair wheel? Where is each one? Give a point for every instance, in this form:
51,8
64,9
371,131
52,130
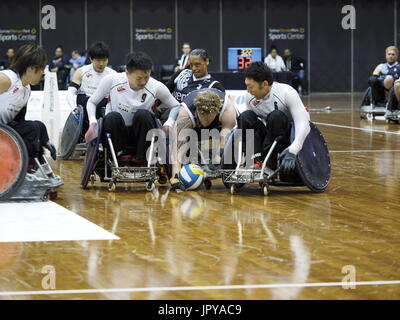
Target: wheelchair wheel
13,161
229,165
366,98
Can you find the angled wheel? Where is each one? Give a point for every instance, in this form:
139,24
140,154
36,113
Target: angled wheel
13,161
71,133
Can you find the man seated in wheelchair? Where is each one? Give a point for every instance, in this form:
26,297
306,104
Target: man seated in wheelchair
203,114
273,109
130,110
26,69
86,80
384,76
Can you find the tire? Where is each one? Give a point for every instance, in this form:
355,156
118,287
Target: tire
12,173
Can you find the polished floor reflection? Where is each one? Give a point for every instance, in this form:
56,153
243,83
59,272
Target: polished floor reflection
299,245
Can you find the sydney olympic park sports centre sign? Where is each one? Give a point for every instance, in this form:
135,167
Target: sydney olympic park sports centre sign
18,35
286,34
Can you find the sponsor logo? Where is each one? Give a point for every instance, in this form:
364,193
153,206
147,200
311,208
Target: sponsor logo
15,90
256,103
89,75
121,89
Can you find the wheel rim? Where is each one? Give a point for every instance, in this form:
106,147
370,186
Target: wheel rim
11,162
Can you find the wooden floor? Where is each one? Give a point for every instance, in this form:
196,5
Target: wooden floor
292,244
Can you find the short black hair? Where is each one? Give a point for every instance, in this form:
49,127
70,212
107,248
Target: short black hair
259,71
138,61
29,55
99,50
201,53
59,47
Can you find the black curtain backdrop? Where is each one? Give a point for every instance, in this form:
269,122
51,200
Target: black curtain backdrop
159,27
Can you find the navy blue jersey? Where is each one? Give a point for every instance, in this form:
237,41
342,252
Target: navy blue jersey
183,82
390,70
188,104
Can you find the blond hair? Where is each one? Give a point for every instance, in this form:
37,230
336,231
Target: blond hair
392,48
207,102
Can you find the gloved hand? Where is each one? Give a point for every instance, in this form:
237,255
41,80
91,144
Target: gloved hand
288,161
92,132
75,113
177,185
49,146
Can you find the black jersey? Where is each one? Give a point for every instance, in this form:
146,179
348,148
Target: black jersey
183,82
390,70
188,104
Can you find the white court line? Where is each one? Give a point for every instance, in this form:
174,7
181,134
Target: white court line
203,288
361,151
357,128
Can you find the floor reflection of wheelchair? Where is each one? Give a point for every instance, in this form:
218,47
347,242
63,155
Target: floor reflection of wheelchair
313,167
15,182
369,110
101,161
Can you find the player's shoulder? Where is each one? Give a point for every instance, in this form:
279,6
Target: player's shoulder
85,69
116,79
282,89
5,80
154,84
109,70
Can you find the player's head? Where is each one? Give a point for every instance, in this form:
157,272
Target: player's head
58,51
99,53
138,69
392,53
199,61
208,105
186,48
258,79
30,61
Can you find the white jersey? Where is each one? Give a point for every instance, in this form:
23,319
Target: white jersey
14,99
92,78
286,99
125,100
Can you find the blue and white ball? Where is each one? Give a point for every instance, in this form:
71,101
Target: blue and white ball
191,176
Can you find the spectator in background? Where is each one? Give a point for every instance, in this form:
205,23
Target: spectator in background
183,61
5,64
59,64
296,66
76,62
275,61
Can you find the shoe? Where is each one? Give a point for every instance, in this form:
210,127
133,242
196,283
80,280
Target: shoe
389,114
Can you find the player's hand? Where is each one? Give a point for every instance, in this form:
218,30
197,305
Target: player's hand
288,161
92,132
49,146
75,113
